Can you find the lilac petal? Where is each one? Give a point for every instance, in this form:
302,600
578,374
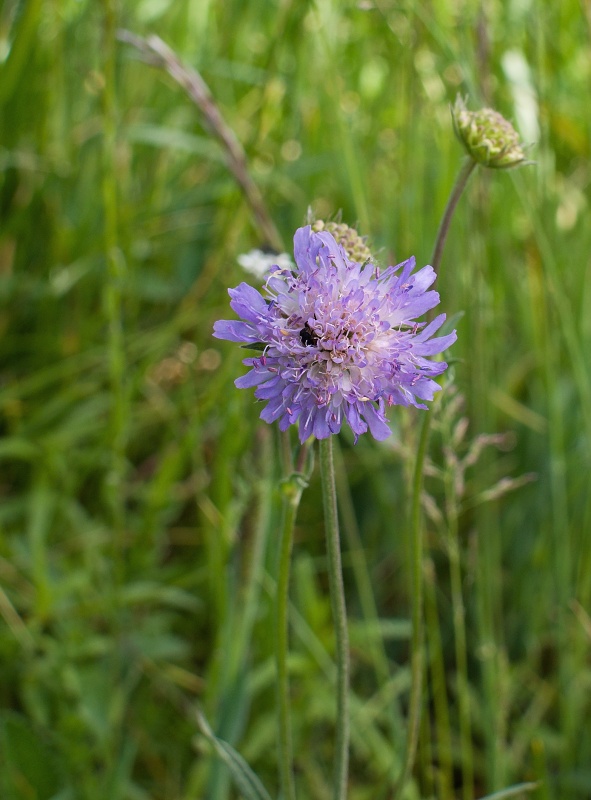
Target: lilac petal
407,267
425,389
332,251
270,389
435,346
321,429
378,426
273,410
430,329
357,425
235,331
253,378
417,306
289,419
422,279
301,243
306,424
248,303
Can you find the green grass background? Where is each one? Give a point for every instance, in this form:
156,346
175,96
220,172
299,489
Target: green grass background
138,510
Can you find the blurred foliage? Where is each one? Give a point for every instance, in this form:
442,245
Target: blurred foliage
138,488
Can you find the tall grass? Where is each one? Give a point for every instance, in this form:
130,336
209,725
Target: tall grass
139,517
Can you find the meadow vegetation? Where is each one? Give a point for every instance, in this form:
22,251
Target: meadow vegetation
140,493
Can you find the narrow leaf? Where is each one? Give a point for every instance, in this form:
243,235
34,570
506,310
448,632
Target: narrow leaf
245,779
512,791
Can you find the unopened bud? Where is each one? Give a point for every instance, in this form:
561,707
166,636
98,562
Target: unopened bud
354,245
488,137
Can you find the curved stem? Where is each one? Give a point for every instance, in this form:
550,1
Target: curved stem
416,516
459,186
339,612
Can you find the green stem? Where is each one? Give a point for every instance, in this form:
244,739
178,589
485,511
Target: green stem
339,612
417,658
113,291
456,193
292,491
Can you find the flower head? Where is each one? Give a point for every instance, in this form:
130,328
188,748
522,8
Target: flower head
355,246
337,340
488,137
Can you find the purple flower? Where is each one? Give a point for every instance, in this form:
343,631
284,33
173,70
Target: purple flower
337,340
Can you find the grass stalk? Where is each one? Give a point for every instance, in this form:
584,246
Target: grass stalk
417,639
159,54
113,290
461,650
442,728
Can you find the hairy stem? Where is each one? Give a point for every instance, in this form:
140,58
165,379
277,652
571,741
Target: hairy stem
292,488
292,493
456,193
339,612
417,658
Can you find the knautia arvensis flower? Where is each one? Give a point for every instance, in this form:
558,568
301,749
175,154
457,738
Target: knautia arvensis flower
337,340
488,137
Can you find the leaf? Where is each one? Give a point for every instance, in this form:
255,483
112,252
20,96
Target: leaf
512,791
245,779
28,765
258,346
450,323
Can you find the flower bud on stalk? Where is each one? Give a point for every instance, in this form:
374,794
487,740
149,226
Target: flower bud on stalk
354,245
488,137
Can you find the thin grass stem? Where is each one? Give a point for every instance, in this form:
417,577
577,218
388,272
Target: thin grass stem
417,652
159,54
113,291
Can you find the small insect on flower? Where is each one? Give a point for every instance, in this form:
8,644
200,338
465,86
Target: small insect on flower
340,341
308,336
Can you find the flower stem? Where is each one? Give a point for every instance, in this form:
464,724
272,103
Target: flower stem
339,612
459,186
417,658
292,491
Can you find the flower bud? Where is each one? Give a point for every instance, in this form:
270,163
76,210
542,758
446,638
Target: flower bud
355,245
487,137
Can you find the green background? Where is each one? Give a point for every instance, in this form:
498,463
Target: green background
138,489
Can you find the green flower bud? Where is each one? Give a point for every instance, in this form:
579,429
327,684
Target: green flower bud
355,245
487,137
